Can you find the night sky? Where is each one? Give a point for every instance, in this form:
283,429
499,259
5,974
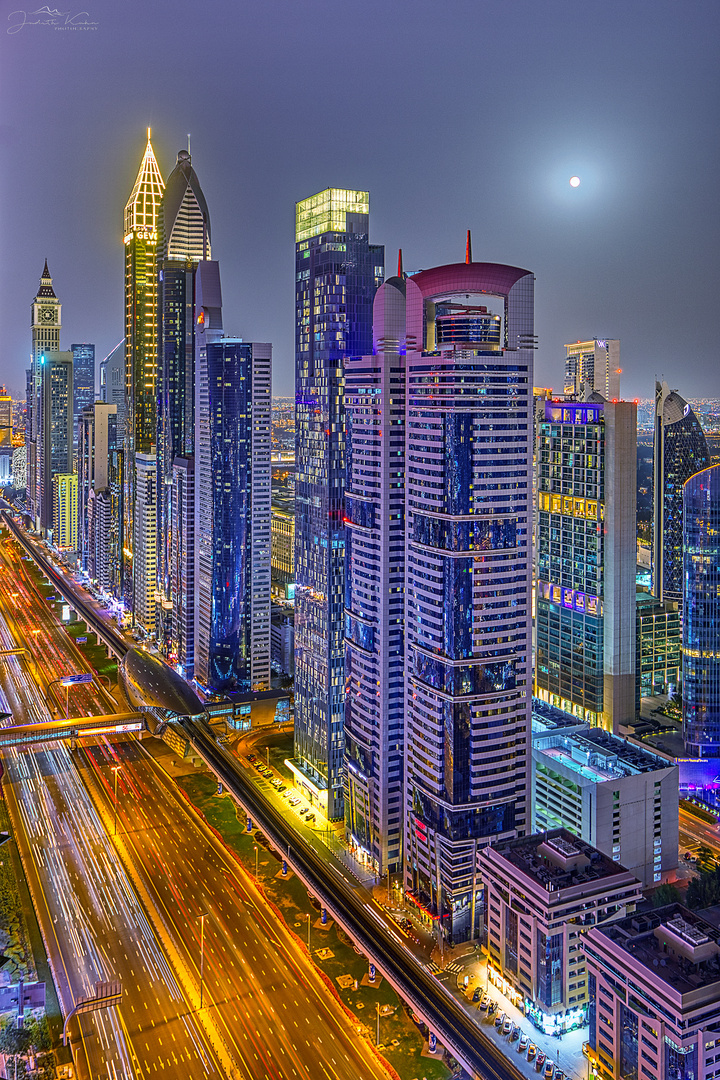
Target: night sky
454,115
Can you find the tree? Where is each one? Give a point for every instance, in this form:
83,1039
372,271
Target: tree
666,894
704,890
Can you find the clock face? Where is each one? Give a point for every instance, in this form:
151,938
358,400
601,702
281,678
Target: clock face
47,315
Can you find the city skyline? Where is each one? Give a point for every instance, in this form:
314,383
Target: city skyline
619,255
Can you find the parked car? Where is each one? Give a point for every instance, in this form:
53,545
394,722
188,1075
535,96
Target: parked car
251,757
492,1007
532,1051
549,1070
539,1060
484,1003
522,1045
499,1019
476,994
310,819
514,1034
507,1026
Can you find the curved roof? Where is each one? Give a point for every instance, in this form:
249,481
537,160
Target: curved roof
493,278
182,179
148,680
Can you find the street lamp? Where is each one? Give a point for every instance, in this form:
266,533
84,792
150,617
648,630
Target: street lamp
116,770
256,860
203,917
308,931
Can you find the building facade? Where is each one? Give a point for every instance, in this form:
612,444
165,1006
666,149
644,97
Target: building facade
680,450
469,362
54,430
593,367
606,791
183,564
658,651
83,382
19,468
144,541
140,235
654,996
65,511
97,431
375,419
701,614
282,534
45,323
585,621
232,500
183,241
112,382
337,273
543,893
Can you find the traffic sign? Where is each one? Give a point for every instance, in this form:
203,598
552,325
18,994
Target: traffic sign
73,680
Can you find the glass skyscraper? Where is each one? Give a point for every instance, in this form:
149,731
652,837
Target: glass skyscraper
585,615
468,460
375,586
232,499
337,272
680,450
701,614
183,241
83,382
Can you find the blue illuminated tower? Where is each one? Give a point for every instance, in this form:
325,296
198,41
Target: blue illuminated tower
337,274
701,614
83,382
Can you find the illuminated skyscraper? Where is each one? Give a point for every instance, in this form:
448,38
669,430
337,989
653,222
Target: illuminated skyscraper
468,460
680,451
585,606
183,241
83,382
54,429
593,367
141,246
701,616
337,273
232,501
45,322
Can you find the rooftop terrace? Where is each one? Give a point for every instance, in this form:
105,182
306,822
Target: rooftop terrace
558,860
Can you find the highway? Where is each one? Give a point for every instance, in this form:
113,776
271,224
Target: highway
364,921
92,922
275,1016
695,833
262,995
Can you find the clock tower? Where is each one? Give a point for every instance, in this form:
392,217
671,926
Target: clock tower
45,325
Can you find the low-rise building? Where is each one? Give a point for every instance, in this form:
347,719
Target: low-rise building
654,996
607,791
282,642
542,894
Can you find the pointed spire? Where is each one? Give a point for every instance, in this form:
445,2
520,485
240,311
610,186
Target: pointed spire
46,289
468,248
400,264
142,206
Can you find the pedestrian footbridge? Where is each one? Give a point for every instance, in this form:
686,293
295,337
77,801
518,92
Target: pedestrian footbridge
74,728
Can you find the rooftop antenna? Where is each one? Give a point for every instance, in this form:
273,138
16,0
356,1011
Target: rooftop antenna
400,264
148,134
468,248
188,142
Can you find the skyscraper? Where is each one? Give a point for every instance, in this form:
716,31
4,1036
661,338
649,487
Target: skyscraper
141,241
585,619
145,555
680,450
65,511
337,273
54,429
469,340
374,585
6,434
701,614
112,382
183,241
593,367
45,322
97,431
232,500
83,382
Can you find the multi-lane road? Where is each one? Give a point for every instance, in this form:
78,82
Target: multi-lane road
265,1006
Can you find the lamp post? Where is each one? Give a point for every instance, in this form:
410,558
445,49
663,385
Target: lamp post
203,917
377,1033
308,931
256,860
116,770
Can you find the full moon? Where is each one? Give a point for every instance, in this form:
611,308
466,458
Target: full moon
574,181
